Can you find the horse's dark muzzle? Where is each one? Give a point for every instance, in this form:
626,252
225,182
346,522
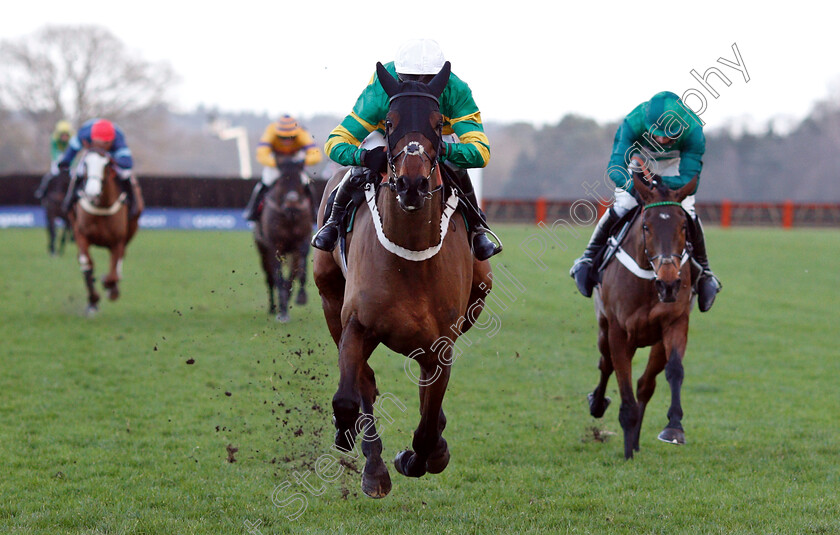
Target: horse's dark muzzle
412,192
667,291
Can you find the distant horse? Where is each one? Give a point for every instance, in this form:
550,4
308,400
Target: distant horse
409,283
101,218
644,299
282,236
51,201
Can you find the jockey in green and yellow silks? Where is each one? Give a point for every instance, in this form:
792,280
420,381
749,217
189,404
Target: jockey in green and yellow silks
59,140
359,142
460,115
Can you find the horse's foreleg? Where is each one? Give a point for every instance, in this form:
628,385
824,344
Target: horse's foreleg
628,414
675,343
64,235
647,383
86,265
598,400
50,233
111,281
283,289
302,298
353,352
431,453
268,269
376,482
330,282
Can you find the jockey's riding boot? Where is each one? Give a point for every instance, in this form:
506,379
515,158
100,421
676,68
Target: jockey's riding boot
708,284
130,199
250,213
326,238
71,196
483,248
42,188
582,268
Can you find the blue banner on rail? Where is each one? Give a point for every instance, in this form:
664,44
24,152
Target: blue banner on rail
152,218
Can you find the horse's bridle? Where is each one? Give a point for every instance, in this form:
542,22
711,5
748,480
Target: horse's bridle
412,148
664,259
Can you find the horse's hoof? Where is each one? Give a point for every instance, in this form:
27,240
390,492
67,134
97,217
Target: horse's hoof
597,411
401,458
401,463
672,436
438,464
113,294
91,311
283,317
376,485
301,299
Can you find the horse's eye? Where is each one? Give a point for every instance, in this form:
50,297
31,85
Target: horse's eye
645,227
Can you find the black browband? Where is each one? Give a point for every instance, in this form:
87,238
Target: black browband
414,94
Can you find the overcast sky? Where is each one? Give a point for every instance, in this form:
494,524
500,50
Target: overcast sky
525,60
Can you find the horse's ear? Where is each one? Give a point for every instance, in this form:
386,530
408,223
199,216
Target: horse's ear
687,190
641,185
389,83
438,83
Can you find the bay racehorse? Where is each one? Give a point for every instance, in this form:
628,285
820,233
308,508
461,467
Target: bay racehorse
101,218
51,202
282,235
644,299
411,283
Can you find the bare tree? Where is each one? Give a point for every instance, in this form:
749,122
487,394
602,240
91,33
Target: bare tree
79,72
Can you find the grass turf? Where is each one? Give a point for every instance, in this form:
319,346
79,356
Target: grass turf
184,408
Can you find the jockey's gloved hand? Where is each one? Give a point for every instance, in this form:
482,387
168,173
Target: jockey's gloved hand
637,165
375,159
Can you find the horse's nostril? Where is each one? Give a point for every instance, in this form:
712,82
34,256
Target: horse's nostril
424,186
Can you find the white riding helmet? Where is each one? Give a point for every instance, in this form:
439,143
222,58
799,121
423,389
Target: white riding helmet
419,56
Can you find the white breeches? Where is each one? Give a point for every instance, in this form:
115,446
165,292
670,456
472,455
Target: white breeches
271,174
